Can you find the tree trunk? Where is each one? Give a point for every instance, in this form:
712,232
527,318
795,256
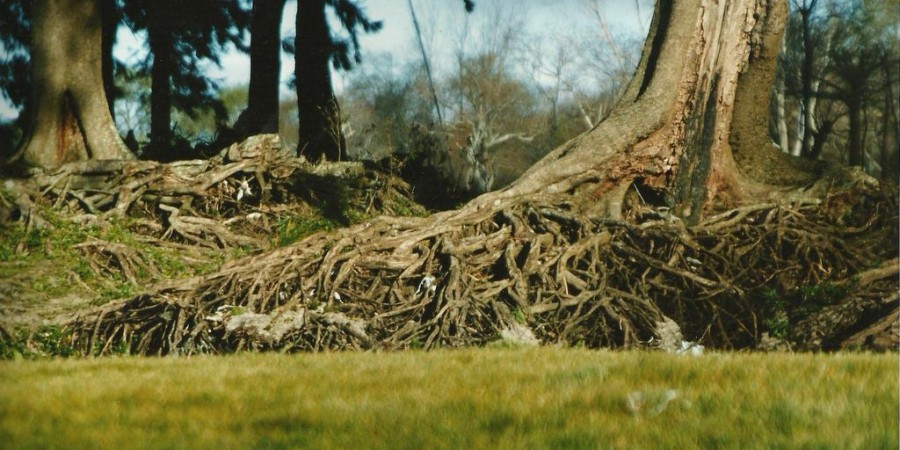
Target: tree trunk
692,122
110,26
781,118
889,123
162,47
70,119
320,115
855,151
261,115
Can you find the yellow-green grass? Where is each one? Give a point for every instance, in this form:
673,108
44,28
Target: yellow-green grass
485,398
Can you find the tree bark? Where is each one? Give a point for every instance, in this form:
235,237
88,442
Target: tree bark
261,115
70,119
693,120
320,115
162,47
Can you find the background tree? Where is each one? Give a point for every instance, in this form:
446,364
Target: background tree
316,50
15,71
855,59
262,112
182,37
831,86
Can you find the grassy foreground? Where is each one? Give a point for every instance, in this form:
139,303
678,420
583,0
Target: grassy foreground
487,398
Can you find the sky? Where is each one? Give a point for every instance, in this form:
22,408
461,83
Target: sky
441,21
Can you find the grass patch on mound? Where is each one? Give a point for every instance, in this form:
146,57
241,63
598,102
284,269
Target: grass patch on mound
476,398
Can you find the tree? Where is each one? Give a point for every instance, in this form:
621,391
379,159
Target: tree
183,35
261,115
70,116
15,29
315,51
856,59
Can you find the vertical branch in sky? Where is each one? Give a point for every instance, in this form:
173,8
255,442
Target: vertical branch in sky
437,105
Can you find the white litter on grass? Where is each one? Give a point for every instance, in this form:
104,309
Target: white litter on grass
654,403
336,296
689,348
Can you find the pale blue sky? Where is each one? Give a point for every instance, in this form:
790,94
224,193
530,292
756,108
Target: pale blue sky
444,20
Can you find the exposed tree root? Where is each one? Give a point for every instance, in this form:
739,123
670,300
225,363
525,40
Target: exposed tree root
804,275
222,202
395,283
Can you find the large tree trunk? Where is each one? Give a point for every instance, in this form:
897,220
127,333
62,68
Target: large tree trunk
320,115
71,119
162,47
261,115
693,120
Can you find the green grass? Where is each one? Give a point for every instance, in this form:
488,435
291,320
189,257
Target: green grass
533,398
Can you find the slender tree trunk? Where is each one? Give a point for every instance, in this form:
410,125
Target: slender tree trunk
855,151
320,115
261,115
806,122
110,26
821,138
781,118
889,124
70,117
162,48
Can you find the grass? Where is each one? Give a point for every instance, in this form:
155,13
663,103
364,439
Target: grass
532,398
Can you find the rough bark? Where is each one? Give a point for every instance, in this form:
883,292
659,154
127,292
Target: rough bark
70,118
261,115
320,115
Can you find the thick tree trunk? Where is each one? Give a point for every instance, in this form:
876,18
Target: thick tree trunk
320,115
71,119
162,47
693,121
261,115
